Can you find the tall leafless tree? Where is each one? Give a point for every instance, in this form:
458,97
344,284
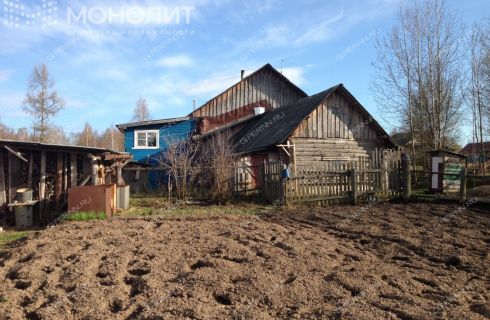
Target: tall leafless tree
42,101
87,137
141,111
418,73
477,99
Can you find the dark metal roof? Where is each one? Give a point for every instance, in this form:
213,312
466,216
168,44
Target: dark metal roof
53,147
124,126
273,127
446,152
475,148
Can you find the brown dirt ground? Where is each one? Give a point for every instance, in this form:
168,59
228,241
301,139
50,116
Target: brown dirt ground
391,261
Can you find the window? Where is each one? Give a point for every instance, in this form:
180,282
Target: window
146,139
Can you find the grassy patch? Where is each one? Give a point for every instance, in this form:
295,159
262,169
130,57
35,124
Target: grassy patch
148,208
9,236
85,216
3,299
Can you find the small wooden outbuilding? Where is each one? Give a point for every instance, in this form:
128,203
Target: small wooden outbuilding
50,170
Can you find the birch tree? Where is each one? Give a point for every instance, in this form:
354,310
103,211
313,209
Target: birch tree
42,101
478,87
418,76
141,111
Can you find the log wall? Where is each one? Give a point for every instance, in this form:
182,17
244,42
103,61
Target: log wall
336,129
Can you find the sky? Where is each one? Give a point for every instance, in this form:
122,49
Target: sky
104,55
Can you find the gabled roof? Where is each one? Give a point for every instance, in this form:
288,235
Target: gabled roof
269,67
124,126
475,148
275,126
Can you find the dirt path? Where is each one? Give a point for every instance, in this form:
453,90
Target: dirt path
385,261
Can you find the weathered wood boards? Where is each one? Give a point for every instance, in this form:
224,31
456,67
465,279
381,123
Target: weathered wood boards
3,195
265,84
42,187
376,176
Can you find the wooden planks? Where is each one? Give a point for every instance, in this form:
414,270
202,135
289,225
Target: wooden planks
3,195
73,170
42,188
14,176
378,176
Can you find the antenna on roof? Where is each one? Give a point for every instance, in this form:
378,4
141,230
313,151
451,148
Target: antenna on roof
193,104
283,60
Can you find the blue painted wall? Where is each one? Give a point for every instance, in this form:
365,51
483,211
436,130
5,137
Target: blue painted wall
178,130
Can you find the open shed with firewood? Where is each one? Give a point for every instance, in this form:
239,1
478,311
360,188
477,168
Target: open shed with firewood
48,171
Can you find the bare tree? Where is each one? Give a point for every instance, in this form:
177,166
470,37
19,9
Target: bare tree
42,101
218,158
88,137
6,132
141,112
418,73
56,135
179,160
112,139
477,100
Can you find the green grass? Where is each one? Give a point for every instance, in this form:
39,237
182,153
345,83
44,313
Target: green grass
3,299
9,236
160,207
85,216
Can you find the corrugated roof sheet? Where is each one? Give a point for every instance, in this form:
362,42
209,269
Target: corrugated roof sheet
124,126
475,148
275,126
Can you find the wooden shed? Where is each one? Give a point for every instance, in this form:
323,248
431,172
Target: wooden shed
50,170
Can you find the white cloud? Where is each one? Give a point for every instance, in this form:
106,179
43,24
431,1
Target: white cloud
5,74
181,60
212,84
295,74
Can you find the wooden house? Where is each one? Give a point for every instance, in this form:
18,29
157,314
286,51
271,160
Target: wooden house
328,126
272,119
147,140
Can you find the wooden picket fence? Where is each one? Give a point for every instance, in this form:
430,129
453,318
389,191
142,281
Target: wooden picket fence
336,181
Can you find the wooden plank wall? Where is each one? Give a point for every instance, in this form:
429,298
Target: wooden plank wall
3,194
337,117
314,151
336,129
263,85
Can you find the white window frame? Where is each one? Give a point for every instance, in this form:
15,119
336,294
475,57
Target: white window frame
135,144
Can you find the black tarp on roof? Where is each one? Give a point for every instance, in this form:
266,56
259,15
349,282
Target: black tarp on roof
273,127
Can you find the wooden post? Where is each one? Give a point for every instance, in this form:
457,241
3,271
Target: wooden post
58,185
14,176
353,182
93,172
29,175
65,175
406,178
462,188
3,195
119,175
42,188
73,170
